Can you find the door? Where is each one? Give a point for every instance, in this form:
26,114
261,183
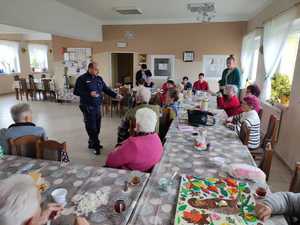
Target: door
122,68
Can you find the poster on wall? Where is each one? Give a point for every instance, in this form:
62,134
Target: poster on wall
77,60
213,65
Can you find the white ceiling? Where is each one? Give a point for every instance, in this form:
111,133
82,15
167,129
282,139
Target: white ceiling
165,11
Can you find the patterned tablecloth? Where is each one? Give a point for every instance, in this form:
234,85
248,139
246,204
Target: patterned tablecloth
78,179
157,206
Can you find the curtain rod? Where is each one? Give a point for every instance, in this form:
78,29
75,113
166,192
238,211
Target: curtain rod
282,12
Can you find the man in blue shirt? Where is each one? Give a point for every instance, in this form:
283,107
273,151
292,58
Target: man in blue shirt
22,116
89,88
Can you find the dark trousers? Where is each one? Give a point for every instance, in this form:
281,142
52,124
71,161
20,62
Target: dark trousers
92,121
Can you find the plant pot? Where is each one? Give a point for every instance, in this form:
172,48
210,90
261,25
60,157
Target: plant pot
284,100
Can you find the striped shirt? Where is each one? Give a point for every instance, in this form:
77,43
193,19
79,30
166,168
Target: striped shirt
252,121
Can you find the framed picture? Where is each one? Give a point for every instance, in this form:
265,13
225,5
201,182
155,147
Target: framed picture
188,56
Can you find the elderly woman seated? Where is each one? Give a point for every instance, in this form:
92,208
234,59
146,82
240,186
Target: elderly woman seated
230,101
142,151
281,203
253,90
250,118
20,203
22,116
143,96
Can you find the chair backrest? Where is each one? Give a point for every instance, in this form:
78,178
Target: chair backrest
16,77
271,134
260,113
46,84
295,183
244,134
23,84
32,85
50,150
24,146
43,76
164,123
267,160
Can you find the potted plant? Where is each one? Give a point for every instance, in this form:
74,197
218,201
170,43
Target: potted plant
281,89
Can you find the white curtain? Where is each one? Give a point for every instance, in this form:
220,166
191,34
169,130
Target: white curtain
249,45
276,33
38,55
9,57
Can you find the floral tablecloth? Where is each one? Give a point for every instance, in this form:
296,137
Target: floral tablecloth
79,179
157,206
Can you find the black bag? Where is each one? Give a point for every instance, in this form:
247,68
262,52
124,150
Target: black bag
197,118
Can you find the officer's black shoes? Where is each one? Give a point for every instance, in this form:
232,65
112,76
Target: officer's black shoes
97,152
100,146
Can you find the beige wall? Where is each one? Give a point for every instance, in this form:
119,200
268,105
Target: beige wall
174,39
6,81
289,136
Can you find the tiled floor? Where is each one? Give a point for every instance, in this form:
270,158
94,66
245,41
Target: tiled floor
64,122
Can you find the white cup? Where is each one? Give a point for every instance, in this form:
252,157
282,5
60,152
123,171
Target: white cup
59,195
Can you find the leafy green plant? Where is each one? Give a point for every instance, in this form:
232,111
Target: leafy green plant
281,88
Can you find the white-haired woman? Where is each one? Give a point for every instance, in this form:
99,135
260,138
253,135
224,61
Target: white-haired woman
22,115
20,203
143,96
229,101
142,151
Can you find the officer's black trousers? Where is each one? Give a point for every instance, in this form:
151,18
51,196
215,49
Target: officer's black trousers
92,121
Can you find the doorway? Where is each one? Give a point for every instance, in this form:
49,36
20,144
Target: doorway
122,68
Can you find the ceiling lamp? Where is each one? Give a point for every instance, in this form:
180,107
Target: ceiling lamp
206,11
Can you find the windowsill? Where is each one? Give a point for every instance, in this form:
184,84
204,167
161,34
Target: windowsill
8,74
277,107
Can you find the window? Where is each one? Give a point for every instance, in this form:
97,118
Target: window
283,79
289,55
9,57
253,71
38,55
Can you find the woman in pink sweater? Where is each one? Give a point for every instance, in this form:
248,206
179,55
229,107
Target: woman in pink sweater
142,151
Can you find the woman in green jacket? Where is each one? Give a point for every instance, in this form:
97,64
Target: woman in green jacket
231,75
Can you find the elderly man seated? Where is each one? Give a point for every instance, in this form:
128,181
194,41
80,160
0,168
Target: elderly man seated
142,151
22,116
143,96
230,101
20,203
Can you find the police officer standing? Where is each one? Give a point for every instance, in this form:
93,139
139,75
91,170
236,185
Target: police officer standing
89,88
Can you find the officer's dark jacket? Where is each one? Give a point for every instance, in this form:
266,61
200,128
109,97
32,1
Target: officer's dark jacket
87,83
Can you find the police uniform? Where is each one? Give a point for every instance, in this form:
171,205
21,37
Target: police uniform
91,106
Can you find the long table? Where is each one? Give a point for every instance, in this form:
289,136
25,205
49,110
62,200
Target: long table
158,206
78,179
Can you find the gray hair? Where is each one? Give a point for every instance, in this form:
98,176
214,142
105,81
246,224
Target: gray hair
19,200
233,88
146,119
20,111
143,94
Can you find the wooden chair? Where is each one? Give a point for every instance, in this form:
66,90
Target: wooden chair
105,104
50,150
266,162
47,89
260,113
164,123
244,134
23,88
270,136
24,146
295,183
33,90
17,78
